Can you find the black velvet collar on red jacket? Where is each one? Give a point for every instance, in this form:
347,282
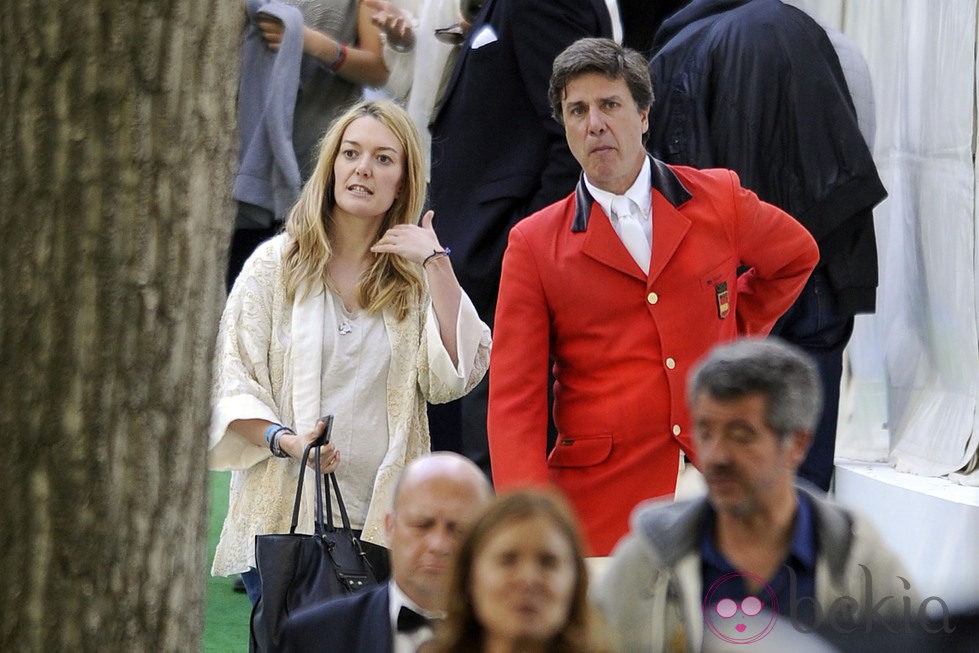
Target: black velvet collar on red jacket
662,177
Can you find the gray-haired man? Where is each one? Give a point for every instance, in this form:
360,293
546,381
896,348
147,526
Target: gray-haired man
757,548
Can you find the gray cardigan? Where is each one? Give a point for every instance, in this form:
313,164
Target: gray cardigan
268,175
286,101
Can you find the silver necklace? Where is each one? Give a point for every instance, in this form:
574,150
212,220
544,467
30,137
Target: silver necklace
346,317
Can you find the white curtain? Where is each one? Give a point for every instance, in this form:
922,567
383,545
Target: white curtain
909,396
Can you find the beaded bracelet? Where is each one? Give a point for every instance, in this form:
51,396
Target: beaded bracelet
435,254
340,58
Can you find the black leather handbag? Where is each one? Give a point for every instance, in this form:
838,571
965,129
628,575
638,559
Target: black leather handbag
298,569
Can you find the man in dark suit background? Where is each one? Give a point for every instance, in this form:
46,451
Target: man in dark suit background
498,156
436,497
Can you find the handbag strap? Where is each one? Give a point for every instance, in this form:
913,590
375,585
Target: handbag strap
302,474
299,489
321,480
327,480
344,520
318,517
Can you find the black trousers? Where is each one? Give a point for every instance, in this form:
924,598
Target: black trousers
815,325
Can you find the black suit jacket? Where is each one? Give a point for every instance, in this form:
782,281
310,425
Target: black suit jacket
497,154
729,95
641,19
359,623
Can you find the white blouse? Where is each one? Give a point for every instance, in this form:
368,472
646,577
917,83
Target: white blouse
356,358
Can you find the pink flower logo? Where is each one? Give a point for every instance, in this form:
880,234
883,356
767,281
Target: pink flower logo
740,623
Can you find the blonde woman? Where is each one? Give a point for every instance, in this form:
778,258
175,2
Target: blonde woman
354,311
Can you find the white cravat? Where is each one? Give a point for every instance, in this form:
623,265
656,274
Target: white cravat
630,229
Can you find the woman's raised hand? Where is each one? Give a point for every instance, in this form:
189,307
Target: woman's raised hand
414,242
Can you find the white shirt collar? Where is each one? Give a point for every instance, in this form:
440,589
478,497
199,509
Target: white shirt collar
405,641
639,192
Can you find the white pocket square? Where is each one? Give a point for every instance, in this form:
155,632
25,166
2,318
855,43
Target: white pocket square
484,36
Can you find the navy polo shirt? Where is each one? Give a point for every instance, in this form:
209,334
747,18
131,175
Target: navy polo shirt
794,580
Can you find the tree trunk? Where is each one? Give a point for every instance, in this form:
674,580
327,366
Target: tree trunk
117,149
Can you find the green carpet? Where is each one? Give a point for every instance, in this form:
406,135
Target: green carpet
227,612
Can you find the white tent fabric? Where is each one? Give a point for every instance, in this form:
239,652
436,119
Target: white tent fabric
913,368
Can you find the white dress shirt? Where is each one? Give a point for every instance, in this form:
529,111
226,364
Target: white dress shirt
639,195
406,642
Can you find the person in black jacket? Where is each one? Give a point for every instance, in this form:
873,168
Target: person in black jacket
756,86
641,19
498,156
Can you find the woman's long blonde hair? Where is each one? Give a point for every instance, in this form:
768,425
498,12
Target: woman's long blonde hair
391,280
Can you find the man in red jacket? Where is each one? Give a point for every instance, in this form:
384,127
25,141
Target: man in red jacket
620,288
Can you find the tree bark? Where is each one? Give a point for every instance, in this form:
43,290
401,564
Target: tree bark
117,149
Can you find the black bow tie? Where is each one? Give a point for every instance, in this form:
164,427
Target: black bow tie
409,621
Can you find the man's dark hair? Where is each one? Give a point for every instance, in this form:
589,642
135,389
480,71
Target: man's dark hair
784,375
603,56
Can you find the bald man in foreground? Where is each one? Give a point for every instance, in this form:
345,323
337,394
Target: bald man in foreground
436,498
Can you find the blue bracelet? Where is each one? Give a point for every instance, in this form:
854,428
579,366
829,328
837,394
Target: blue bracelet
269,431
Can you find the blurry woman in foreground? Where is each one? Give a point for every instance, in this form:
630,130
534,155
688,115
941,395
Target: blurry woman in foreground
519,582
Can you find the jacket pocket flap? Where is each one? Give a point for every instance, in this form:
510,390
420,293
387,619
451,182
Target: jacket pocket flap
581,451
718,274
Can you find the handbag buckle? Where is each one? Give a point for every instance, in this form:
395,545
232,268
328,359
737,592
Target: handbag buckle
353,581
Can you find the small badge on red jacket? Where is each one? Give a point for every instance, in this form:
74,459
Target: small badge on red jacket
723,299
